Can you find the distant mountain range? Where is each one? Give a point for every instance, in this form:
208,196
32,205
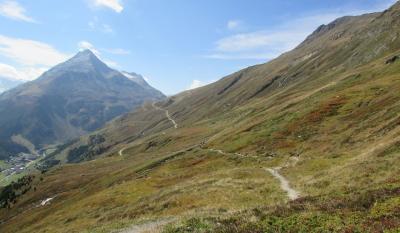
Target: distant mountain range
69,100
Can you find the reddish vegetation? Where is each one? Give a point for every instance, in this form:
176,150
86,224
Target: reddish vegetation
307,125
369,107
327,109
382,224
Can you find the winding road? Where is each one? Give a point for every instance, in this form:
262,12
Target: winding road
284,183
121,152
166,114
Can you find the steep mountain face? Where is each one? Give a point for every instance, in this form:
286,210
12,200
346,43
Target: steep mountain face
308,142
69,100
332,50
137,78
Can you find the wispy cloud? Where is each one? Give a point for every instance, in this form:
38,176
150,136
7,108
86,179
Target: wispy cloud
83,45
270,43
106,28
197,83
31,57
23,74
258,45
115,5
234,24
96,25
30,52
13,10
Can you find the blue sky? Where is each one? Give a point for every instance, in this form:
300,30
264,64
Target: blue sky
175,44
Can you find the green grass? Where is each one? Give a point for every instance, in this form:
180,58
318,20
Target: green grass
340,121
151,181
372,211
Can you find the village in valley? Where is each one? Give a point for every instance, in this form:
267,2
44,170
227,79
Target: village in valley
18,163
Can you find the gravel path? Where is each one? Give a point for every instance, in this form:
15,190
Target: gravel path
285,185
166,114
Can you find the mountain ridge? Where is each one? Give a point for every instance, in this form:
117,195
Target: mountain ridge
282,73
307,142
69,100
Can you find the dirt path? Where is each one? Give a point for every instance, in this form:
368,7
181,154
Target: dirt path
230,154
285,186
121,152
218,151
166,114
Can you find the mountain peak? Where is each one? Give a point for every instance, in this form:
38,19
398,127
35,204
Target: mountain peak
85,61
86,54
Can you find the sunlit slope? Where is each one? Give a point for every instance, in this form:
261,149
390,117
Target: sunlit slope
325,116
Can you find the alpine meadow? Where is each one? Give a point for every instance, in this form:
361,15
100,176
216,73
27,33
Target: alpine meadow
308,141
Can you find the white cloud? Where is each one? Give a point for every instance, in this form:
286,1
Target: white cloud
13,10
257,45
197,83
23,74
267,44
115,5
30,52
32,58
254,41
9,72
233,24
270,43
83,45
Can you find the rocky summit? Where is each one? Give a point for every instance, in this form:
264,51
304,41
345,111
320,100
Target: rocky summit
71,99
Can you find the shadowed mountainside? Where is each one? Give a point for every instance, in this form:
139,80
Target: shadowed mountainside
69,100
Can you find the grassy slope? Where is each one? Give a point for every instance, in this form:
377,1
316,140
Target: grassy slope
339,117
